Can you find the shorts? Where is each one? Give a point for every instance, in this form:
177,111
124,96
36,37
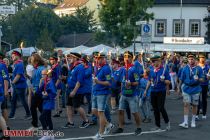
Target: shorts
4,104
132,102
75,101
115,92
191,99
99,102
29,83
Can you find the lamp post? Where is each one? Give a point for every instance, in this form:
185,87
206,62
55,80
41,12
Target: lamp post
181,26
0,37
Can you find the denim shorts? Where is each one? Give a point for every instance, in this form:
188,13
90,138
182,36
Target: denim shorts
99,102
192,99
132,101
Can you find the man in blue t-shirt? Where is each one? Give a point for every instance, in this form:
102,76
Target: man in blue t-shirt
159,81
129,84
204,85
76,90
191,78
4,84
101,91
19,85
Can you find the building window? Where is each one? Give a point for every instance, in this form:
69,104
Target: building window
195,26
160,27
178,27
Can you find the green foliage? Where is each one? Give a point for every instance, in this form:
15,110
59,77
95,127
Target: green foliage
207,20
44,41
81,22
41,27
118,18
20,4
28,25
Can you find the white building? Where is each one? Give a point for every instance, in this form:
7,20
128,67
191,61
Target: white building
168,14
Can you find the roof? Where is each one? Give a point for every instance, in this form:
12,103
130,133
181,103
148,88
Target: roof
71,4
73,40
194,2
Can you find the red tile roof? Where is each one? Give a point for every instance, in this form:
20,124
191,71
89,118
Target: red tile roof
71,4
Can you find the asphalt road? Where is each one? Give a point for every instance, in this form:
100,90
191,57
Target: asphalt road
175,111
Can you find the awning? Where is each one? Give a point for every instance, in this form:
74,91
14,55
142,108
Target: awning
180,48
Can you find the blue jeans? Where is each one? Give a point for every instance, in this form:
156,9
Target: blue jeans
107,115
19,93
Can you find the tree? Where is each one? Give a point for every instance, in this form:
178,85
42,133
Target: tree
29,24
118,18
207,20
81,22
44,41
20,4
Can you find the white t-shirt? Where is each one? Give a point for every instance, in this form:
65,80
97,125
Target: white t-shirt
29,70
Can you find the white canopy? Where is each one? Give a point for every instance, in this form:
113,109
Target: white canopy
181,48
78,49
99,48
131,48
26,51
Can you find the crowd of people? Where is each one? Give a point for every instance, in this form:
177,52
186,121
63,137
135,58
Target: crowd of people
129,84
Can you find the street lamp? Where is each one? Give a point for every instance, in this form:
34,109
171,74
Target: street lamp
0,37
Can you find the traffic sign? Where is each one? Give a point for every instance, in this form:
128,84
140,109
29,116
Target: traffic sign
146,39
146,30
5,9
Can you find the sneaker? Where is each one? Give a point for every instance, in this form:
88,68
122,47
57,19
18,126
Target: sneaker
33,128
69,125
138,131
147,120
11,117
204,117
193,125
98,137
197,118
84,124
108,128
168,127
183,125
119,130
27,117
93,123
89,115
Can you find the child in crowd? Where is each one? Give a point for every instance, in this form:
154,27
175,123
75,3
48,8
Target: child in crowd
48,89
144,102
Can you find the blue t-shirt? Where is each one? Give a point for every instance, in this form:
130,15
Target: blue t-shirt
133,76
143,85
56,73
205,70
191,86
180,72
139,67
36,77
154,77
4,75
103,74
88,79
77,75
19,70
116,83
49,100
